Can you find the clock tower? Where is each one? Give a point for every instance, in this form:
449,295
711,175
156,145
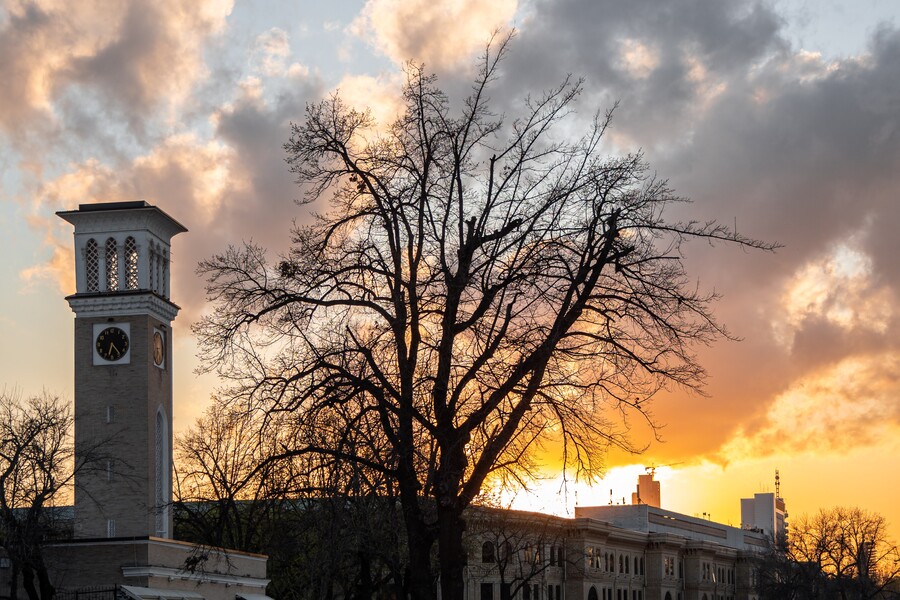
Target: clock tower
123,369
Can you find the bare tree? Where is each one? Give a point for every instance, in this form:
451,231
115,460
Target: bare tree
36,471
518,549
845,552
238,488
226,486
476,286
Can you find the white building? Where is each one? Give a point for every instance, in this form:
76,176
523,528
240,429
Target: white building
615,552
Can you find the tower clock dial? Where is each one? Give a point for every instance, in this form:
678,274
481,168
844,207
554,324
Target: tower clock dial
159,348
112,344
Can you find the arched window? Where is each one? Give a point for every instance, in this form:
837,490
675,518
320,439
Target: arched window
487,552
92,265
621,565
668,596
151,267
162,475
131,264
164,277
592,593
112,266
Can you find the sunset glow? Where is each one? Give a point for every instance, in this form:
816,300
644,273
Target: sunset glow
761,114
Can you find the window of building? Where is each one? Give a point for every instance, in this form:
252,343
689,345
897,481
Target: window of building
526,592
164,278
642,565
487,552
592,593
505,591
151,266
92,265
111,528
668,596
112,265
110,414
487,591
162,473
669,566
621,564
131,264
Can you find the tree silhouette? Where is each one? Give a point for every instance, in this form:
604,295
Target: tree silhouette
37,468
841,553
477,286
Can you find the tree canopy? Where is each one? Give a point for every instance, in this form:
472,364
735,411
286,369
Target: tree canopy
476,286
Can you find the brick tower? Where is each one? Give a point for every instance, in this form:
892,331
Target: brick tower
123,374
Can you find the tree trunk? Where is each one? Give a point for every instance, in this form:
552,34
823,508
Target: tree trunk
451,553
421,581
28,582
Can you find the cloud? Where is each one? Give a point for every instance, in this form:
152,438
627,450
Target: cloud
836,288
442,33
381,96
851,404
139,56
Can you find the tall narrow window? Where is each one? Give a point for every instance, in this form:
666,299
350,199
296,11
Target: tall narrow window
112,266
162,463
131,264
151,263
92,265
164,278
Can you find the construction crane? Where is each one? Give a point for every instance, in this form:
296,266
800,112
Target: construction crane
651,470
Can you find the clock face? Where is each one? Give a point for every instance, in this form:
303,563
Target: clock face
159,349
112,344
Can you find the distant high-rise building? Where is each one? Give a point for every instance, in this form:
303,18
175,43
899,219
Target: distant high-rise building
766,512
647,490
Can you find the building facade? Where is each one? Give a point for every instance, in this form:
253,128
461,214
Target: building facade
624,552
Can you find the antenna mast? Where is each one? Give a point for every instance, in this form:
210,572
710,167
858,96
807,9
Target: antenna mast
777,484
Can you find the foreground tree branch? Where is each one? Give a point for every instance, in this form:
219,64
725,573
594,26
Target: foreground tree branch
476,287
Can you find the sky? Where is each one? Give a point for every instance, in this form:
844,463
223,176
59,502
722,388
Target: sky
779,118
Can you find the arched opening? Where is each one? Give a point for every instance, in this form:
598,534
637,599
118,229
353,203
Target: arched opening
487,552
112,265
131,264
162,475
92,265
668,596
592,594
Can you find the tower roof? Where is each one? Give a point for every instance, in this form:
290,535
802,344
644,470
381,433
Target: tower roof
103,214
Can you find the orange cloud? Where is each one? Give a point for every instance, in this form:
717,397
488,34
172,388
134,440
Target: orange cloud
845,405
440,33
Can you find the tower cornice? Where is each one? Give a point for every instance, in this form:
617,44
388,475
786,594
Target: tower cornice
121,216
122,304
